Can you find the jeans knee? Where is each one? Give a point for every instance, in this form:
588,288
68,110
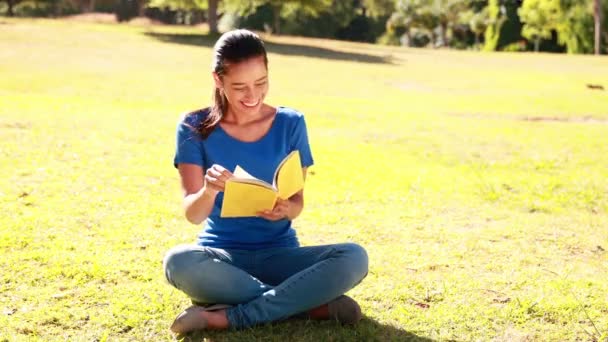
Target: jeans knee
176,261
357,260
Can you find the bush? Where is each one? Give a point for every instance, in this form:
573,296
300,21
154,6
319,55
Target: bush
33,9
388,38
362,29
48,8
420,38
519,46
126,10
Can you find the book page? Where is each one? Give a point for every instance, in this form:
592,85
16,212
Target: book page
242,176
289,178
239,172
243,199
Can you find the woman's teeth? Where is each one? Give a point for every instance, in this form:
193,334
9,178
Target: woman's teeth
250,104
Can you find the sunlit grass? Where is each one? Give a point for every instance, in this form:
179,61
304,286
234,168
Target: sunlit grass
477,183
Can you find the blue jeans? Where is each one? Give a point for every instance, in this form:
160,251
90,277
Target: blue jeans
265,285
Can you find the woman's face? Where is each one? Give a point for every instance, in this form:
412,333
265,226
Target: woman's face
245,85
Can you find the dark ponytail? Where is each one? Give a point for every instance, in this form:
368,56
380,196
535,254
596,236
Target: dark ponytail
231,48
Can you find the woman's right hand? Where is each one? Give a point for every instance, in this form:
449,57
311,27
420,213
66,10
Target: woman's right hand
216,177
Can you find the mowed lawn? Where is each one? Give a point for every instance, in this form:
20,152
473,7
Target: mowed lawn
478,183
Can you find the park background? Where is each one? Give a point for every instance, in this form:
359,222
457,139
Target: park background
476,180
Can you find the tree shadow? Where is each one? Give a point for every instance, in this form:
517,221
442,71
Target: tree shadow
208,40
297,330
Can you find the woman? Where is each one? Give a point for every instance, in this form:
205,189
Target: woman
253,267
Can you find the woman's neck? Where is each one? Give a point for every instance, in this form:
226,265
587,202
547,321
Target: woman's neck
237,119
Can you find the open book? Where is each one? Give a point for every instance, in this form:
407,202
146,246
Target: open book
245,195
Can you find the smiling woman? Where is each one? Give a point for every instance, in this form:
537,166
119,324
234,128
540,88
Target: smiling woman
253,267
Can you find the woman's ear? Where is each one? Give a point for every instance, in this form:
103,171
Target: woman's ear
217,80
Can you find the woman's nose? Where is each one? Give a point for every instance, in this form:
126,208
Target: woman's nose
252,93
249,93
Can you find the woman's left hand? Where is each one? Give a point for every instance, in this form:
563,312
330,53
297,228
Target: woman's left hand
279,212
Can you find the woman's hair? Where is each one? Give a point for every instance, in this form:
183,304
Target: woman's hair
231,48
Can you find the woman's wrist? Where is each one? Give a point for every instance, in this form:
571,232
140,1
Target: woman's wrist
295,208
209,192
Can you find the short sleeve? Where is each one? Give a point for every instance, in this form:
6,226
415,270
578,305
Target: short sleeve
299,141
189,145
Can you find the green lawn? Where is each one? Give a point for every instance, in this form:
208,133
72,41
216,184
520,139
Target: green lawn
477,182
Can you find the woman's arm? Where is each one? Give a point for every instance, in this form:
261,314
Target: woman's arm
199,191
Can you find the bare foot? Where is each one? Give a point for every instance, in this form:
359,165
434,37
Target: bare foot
196,318
216,319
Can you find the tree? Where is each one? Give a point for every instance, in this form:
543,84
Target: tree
344,19
436,17
402,22
579,28
597,17
84,6
576,29
477,23
10,4
540,17
212,15
210,6
378,8
504,24
280,8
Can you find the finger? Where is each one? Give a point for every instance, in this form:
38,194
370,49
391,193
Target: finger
220,178
280,202
221,174
266,215
227,174
278,214
278,211
215,173
218,168
273,214
281,207
211,178
218,183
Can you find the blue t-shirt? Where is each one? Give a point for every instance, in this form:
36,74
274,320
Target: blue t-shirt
260,159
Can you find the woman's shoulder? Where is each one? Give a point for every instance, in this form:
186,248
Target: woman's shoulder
288,114
194,118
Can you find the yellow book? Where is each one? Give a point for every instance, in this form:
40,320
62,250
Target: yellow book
245,195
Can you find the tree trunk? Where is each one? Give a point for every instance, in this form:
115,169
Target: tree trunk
141,8
276,13
83,6
212,16
409,37
10,12
444,35
597,17
536,44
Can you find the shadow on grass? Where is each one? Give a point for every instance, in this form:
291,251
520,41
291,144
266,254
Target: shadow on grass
295,330
278,48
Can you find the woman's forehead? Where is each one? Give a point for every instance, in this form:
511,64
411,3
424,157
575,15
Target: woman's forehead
249,68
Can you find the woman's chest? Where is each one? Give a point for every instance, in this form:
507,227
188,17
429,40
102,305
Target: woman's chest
260,159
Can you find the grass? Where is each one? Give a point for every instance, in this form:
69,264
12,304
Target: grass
477,182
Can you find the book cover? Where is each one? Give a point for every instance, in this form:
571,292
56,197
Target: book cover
245,195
